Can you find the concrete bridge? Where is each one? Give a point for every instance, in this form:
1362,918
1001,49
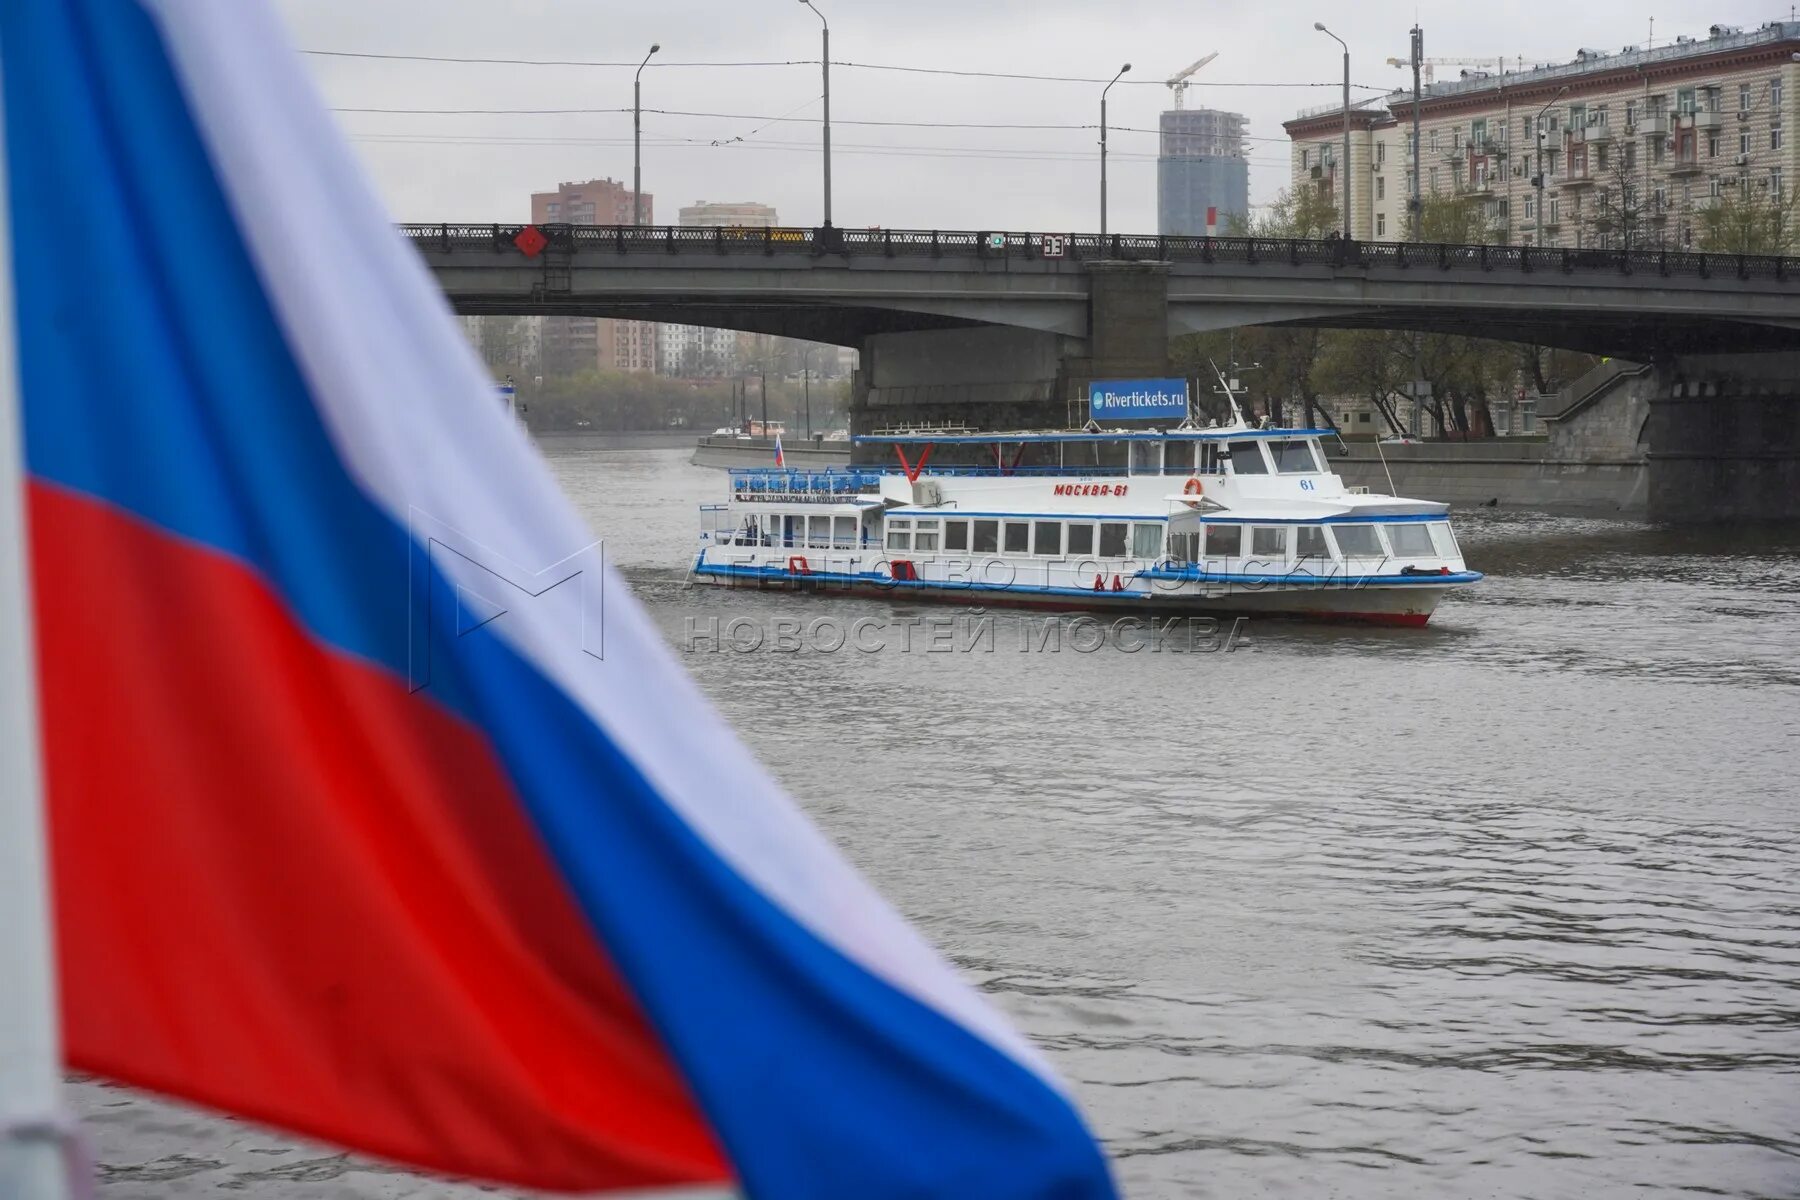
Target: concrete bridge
1000,329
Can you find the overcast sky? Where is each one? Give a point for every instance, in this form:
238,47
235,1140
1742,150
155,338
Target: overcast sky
464,167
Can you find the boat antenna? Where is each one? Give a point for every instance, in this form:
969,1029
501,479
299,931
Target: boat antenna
1225,384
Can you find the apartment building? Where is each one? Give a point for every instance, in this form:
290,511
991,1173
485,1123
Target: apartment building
700,351
1613,147
572,344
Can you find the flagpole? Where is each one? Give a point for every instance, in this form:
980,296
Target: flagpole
33,1127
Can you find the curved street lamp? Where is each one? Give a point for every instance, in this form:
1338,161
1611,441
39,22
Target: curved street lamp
825,67
1103,92
1345,172
1537,125
637,140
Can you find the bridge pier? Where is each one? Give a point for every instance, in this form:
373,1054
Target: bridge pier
1724,438
1000,377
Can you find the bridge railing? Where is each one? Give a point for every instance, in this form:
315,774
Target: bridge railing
556,240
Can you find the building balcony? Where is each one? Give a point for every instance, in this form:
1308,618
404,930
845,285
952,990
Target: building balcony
1654,125
1683,168
1593,134
1577,179
1707,120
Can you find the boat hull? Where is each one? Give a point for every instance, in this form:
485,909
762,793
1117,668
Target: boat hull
1411,605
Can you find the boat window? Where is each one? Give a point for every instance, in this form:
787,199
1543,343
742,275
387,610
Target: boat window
818,532
1309,542
1146,458
1357,541
899,534
1444,540
926,536
1184,547
956,535
1048,538
1112,539
843,530
1018,537
987,537
1247,459
1224,541
1269,541
1081,539
1412,541
1294,457
1146,540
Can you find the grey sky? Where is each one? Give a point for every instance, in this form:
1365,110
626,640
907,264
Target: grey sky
481,168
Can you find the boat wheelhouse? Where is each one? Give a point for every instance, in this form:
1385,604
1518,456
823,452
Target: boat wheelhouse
1212,521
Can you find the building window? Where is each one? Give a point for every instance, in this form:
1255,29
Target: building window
1657,146
1600,158
1433,178
1478,131
1684,102
1774,137
1530,129
1380,153
1775,182
1380,224
1630,113
1715,187
1775,96
1744,142
1712,145
1743,97
1305,159
1630,155
1530,208
1555,210
1381,186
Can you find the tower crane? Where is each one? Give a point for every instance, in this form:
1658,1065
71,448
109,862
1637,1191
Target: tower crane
1492,62
1179,84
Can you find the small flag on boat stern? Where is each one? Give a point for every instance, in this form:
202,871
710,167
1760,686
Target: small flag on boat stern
377,808
780,458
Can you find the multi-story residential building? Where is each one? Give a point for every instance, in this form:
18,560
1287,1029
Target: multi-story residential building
583,343
1608,149
1200,165
696,351
710,214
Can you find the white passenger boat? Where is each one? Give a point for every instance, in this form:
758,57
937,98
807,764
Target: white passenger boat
1205,521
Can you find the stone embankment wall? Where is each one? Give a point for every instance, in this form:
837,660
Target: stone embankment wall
1593,455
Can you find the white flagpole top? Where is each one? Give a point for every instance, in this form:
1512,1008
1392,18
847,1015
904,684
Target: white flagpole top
34,1129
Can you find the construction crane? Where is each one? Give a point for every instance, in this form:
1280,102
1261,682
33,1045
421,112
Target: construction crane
1178,83
1491,62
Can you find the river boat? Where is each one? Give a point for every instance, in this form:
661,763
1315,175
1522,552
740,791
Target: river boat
1217,520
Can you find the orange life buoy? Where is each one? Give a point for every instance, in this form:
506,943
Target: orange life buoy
1192,487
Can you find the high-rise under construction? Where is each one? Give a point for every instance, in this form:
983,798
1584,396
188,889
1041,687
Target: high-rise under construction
1201,170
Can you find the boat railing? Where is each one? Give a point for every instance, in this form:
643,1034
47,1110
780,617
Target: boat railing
822,482
828,483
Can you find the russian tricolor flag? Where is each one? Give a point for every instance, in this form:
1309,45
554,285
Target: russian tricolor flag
376,807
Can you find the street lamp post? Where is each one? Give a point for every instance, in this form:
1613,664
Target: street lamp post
637,140
825,67
1103,92
1537,180
1320,26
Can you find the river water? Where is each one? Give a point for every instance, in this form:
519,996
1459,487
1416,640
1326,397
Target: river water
1504,907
